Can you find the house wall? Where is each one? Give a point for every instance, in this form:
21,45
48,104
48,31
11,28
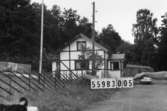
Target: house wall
70,54
115,73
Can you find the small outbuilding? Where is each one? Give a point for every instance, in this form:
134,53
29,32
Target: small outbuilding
116,65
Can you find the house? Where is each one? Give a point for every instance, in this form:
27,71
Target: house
77,57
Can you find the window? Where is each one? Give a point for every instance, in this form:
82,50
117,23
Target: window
81,64
81,45
114,65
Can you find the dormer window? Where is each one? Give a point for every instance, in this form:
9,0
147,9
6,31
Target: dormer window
81,45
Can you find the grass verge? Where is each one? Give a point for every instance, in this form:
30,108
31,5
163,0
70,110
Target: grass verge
74,97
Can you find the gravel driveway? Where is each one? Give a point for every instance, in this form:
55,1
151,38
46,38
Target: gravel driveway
141,98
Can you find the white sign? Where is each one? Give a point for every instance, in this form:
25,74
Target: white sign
32,108
106,83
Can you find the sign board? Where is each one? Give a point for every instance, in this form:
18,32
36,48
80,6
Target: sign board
32,108
106,83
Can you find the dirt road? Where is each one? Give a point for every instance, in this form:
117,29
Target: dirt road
141,98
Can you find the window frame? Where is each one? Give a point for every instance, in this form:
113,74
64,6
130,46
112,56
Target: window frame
112,65
79,42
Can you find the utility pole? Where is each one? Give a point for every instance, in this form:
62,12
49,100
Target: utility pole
41,41
93,40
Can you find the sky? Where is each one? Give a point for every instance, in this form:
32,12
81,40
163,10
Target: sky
120,13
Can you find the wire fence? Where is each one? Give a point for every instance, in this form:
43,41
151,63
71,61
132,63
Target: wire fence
12,82
16,82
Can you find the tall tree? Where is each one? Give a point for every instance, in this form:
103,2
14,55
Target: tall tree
162,49
17,25
145,28
71,19
145,32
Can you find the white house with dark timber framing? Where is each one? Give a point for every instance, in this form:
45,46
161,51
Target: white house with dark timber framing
75,60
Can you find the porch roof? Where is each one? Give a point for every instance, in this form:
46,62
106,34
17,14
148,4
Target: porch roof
118,56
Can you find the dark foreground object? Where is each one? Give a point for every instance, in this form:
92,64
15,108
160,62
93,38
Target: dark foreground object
15,107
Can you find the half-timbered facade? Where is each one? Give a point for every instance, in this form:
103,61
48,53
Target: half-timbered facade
76,59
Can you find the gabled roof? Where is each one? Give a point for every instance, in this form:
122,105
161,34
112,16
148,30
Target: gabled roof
87,38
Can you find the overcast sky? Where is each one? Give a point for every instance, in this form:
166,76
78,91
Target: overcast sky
120,13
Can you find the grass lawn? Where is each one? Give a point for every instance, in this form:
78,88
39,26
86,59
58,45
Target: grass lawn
74,97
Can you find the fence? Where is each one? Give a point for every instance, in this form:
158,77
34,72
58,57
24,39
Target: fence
13,83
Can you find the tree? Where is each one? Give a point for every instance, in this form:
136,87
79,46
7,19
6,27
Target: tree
18,27
20,24
71,19
162,49
145,28
145,32
85,27
128,50
110,38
